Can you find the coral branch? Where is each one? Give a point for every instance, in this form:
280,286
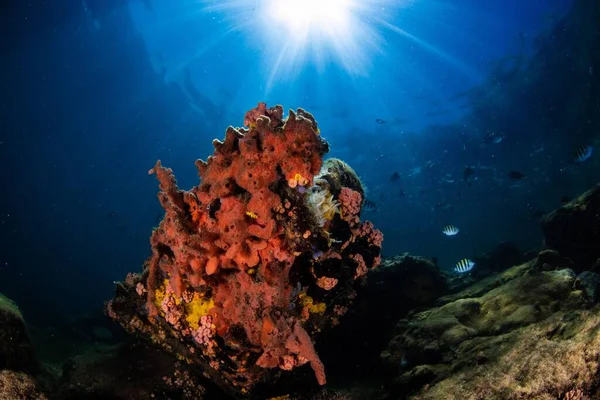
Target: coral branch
301,344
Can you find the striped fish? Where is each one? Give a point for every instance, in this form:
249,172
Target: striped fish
583,152
450,230
369,205
464,265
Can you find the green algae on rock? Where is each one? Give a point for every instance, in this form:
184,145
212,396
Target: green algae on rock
527,334
15,347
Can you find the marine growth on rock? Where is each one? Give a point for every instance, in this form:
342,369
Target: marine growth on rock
251,264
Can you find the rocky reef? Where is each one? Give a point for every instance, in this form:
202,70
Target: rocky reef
15,347
573,230
248,267
17,363
531,332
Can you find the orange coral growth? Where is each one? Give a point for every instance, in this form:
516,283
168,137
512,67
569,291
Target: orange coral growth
243,249
326,282
228,222
235,183
301,344
350,202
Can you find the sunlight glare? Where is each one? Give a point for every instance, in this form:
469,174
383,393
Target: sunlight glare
301,17
296,35
319,33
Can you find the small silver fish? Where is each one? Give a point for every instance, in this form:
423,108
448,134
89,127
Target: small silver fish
464,265
450,230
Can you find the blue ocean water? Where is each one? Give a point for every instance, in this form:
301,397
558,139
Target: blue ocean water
94,92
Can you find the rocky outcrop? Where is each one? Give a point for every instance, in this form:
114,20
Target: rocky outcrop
574,230
15,347
16,355
503,256
526,334
404,282
18,386
127,371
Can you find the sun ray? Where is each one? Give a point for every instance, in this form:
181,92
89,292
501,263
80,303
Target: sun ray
298,34
461,67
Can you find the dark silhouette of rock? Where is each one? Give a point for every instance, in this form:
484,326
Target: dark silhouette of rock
574,230
16,356
589,282
505,255
398,285
130,370
15,347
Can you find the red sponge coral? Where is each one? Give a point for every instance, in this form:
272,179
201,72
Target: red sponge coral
243,272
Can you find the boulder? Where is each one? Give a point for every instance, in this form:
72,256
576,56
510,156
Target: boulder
503,256
526,334
574,230
15,347
16,356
